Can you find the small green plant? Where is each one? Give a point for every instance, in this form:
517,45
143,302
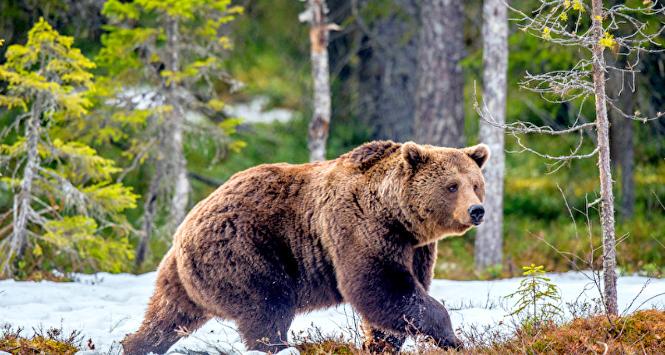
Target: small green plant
537,297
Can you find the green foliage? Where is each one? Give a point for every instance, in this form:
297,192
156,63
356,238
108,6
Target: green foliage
536,297
163,50
271,58
71,189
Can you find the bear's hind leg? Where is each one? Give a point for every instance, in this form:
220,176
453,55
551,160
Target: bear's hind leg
267,328
170,312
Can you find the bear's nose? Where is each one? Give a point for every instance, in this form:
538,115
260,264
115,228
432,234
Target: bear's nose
476,212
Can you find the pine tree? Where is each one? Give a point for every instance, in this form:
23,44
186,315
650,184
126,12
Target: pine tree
64,197
171,54
537,298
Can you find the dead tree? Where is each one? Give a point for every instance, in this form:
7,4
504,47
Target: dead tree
563,22
318,36
489,238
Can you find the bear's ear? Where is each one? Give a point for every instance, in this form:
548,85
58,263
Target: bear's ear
480,153
368,154
413,154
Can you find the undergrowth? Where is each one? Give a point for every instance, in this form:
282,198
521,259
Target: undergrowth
642,332
51,341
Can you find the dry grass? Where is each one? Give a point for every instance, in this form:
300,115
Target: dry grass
642,332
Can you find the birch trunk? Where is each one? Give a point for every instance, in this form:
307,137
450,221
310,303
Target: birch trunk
318,36
439,118
489,237
22,209
606,195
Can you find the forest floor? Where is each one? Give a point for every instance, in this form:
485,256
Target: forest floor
105,307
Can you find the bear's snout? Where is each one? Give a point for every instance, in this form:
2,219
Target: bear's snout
477,212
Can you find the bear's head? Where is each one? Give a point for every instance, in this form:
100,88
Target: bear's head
442,189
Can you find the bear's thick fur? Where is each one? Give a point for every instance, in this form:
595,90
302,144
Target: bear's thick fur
281,239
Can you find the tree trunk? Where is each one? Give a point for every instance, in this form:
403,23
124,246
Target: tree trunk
182,188
489,237
440,94
606,195
22,209
175,142
387,71
149,214
320,123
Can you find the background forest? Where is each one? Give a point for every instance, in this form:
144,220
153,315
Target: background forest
177,96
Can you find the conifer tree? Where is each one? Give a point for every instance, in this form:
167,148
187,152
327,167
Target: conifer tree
64,197
170,53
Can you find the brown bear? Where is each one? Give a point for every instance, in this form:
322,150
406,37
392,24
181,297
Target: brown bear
280,239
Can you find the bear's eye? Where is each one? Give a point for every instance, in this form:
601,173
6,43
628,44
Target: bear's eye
452,188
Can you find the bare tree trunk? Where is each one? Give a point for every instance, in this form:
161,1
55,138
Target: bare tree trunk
22,208
318,36
175,142
606,194
489,238
388,68
149,214
182,188
440,94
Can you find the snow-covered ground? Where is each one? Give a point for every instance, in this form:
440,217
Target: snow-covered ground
105,307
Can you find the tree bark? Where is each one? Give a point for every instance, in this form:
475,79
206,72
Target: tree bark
22,209
387,71
175,142
440,91
489,237
320,123
606,194
149,215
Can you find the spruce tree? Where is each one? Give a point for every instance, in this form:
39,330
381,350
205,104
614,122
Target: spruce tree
65,200
165,60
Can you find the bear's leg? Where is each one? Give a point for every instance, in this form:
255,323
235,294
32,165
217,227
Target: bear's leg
380,342
251,284
267,328
170,315
269,302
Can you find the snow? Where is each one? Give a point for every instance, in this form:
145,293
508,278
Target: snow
255,111
105,307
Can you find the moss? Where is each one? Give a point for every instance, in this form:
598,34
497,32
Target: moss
641,332
328,347
52,341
